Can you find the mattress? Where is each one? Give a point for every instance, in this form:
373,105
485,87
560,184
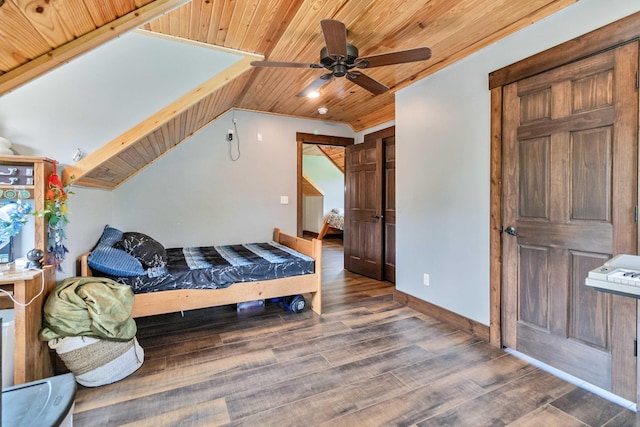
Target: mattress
213,267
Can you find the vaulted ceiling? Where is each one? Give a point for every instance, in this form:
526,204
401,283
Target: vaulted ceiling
38,35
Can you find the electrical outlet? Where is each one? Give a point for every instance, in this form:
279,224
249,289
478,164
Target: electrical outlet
426,279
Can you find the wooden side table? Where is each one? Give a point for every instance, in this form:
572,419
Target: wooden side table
31,356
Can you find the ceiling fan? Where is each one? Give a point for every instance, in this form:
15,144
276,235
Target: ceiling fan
341,59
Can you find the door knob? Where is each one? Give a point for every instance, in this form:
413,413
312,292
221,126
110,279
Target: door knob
511,230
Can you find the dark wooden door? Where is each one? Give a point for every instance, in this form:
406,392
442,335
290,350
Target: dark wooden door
570,190
363,231
390,208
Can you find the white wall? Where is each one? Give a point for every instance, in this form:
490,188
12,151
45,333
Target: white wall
328,178
103,93
196,195
442,160
312,207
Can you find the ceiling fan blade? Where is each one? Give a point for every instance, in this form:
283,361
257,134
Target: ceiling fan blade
366,82
335,37
316,84
399,57
284,64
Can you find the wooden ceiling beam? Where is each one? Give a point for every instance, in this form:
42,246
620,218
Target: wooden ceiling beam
76,172
36,67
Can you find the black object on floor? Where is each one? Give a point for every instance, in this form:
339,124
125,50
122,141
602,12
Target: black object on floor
295,303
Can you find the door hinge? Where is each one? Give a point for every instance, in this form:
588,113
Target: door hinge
635,216
635,348
637,80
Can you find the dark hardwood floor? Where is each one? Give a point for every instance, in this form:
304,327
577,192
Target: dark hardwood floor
367,361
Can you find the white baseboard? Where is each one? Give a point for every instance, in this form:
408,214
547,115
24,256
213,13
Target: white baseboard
576,381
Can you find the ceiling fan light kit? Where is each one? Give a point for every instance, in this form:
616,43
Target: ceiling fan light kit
340,58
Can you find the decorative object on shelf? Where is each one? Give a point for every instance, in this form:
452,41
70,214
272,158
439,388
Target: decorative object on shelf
12,194
35,256
5,146
55,210
13,175
6,255
12,217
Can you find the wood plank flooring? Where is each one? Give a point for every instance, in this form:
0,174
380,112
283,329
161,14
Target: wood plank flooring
367,361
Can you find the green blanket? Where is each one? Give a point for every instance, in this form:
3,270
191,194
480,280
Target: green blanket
89,306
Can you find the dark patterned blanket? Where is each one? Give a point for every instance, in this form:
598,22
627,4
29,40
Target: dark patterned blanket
213,267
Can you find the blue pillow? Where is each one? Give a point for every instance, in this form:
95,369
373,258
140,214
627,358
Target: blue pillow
110,236
112,261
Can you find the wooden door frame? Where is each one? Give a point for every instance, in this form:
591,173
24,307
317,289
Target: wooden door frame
607,37
309,138
381,134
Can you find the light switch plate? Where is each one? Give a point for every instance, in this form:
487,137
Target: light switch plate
284,200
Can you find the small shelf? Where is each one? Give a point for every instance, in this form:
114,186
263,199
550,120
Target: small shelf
41,168
10,193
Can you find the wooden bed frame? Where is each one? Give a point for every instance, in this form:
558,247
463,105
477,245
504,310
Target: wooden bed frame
326,227
161,302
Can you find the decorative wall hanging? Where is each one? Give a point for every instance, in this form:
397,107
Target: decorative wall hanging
55,210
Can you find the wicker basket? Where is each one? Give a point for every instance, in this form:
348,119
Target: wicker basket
96,362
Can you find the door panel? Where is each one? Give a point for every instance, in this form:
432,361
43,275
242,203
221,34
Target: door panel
534,185
591,183
534,288
570,189
589,311
390,208
363,238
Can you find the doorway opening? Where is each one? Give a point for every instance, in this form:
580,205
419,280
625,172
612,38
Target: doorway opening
323,190
319,145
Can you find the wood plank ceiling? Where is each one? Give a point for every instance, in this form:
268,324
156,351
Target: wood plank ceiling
38,35
334,154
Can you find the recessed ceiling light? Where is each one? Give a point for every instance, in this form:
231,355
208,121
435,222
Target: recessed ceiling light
313,94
